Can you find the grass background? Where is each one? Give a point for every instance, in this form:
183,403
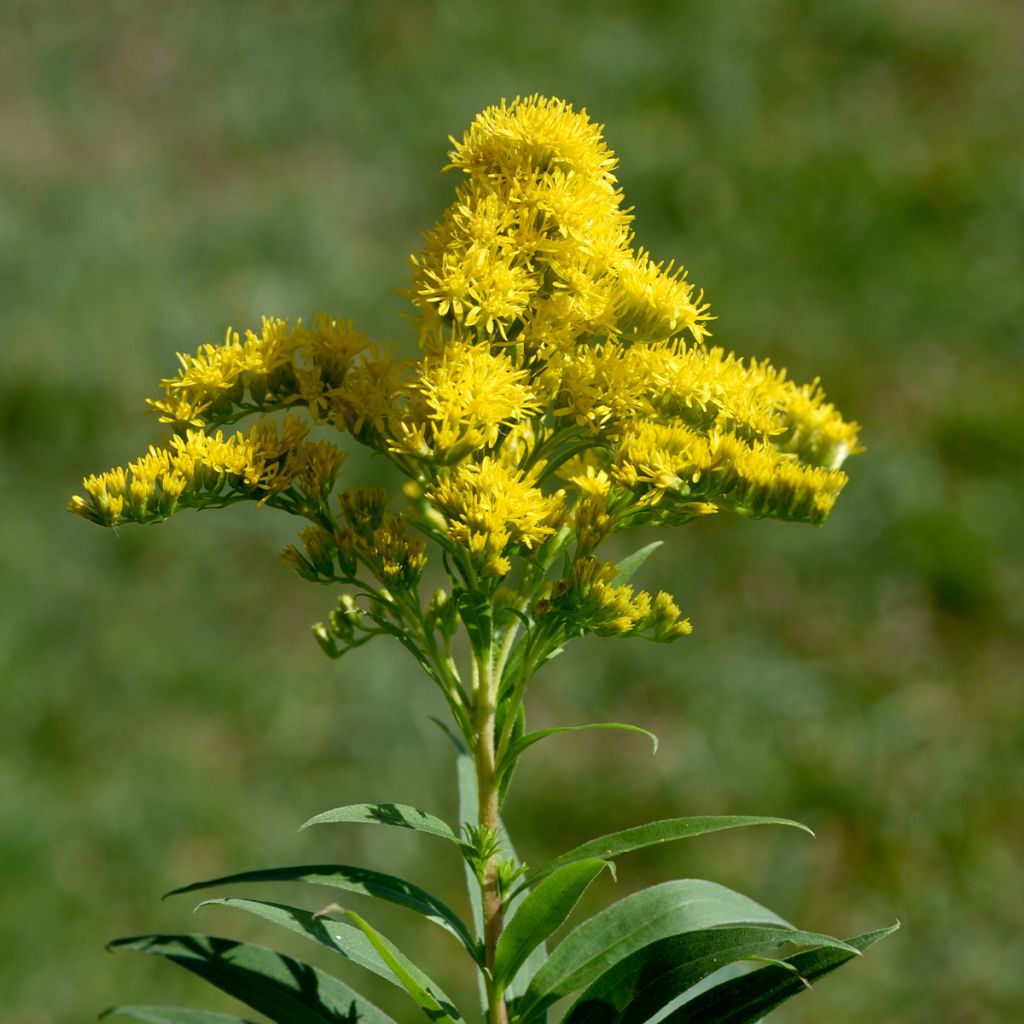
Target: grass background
844,180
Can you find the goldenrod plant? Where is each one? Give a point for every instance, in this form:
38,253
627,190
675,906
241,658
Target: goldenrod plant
566,391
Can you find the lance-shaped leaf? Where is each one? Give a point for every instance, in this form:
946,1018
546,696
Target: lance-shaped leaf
286,990
631,563
350,942
671,908
174,1015
540,915
399,815
516,749
507,768
359,880
669,830
409,976
748,998
539,954
465,773
641,984
476,613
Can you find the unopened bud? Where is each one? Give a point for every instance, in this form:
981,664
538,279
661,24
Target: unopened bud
442,614
326,641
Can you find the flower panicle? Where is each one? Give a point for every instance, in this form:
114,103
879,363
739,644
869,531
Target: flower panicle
279,367
491,510
655,302
199,469
534,134
459,402
565,390
520,256
383,546
665,463
379,539
591,600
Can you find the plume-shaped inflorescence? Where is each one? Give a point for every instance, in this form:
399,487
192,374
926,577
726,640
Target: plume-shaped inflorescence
566,389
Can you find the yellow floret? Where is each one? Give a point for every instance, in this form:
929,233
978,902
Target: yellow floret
488,507
534,134
461,401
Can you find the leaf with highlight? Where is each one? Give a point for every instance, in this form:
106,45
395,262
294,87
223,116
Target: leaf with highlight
516,749
747,999
616,843
671,908
359,880
631,563
413,980
399,815
350,942
540,915
645,982
287,990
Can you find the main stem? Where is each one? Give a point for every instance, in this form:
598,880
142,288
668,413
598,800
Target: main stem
487,796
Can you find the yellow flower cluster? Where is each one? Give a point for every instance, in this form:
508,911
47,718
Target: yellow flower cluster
552,348
373,537
459,402
547,335
489,507
329,368
590,600
656,461
379,539
201,470
606,385
535,251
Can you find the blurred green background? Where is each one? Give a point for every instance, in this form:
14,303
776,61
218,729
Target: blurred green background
846,183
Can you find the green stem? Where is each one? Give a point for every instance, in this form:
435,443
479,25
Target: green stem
526,670
487,795
506,649
531,662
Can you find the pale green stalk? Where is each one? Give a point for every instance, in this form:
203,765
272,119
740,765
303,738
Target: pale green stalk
487,796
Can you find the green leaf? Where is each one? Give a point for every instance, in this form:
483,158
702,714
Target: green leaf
475,612
671,908
399,815
350,942
469,814
655,832
175,1015
631,563
641,984
359,880
410,977
748,998
507,769
540,915
539,955
516,749
286,990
